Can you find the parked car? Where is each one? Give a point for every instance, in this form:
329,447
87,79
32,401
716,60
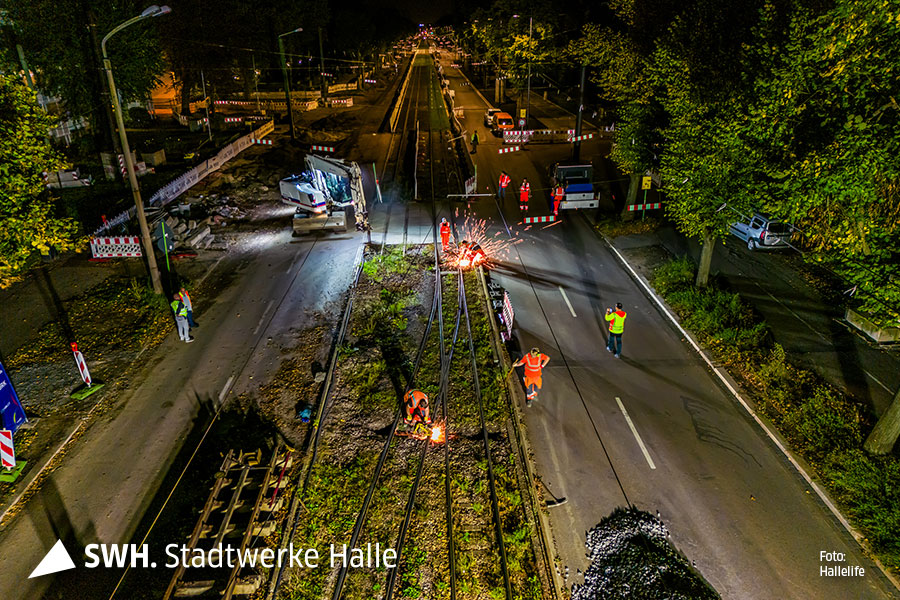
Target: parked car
503,121
489,117
763,232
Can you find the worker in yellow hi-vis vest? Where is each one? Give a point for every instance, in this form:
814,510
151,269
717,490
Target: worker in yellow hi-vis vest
616,328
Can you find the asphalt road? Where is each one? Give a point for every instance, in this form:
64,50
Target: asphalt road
732,502
104,485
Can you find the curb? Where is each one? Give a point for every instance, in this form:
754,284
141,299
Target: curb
773,437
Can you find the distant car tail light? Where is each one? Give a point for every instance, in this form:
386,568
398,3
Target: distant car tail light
762,235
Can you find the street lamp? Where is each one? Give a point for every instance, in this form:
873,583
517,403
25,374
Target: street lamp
150,11
287,83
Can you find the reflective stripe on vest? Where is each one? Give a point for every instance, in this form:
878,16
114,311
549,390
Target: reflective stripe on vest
616,321
179,313
533,365
559,193
445,229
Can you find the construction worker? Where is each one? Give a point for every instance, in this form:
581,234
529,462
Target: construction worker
558,194
181,321
534,362
524,191
505,180
474,142
445,234
616,328
186,300
470,254
416,404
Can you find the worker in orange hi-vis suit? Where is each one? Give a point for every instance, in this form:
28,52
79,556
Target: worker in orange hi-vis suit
534,362
416,405
445,234
523,195
558,194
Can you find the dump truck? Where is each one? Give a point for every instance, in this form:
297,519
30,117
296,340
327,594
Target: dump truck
327,184
577,181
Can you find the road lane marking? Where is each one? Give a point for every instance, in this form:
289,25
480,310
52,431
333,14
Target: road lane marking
566,298
876,380
226,388
263,317
636,435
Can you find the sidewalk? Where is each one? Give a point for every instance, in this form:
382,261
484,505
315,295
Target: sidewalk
800,316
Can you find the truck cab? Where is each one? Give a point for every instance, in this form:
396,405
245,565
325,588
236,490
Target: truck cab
762,232
577,181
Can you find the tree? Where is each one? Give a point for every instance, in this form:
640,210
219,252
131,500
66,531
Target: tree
60,39
28,220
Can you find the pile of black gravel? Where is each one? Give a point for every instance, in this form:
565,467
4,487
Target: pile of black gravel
631,558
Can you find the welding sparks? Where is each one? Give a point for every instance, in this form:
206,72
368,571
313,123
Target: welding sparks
437,434
475,246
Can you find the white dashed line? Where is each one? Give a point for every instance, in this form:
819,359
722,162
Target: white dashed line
566,298
636,435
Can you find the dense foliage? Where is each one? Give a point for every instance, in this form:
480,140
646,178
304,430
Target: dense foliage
783,106
28,222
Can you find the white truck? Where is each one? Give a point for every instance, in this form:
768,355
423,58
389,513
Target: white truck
327,184
577,181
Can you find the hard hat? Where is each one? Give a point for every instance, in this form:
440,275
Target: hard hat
444,220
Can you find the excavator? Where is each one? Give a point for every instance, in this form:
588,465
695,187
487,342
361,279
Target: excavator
326,185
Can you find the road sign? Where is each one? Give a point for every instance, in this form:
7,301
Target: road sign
545,219
521,123
7,450
82,366
10,408
508,150
521,113
645,182
322,148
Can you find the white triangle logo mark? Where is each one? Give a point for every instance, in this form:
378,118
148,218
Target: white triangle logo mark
57,559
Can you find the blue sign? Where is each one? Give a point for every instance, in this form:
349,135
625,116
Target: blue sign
10,408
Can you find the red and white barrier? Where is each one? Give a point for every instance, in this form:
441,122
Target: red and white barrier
546,219
322,148
82,366
116,247
7,450
263,142
648,206
508,150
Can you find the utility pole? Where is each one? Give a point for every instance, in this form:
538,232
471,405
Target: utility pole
104,90
322,65
287,81
147,242
528,93
206,104
576,148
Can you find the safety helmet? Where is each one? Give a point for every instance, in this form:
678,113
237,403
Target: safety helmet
444,220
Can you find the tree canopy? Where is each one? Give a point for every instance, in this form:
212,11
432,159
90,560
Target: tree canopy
28,220
785,107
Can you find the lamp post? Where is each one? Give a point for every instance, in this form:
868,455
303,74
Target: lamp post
528,93
287,82
150,11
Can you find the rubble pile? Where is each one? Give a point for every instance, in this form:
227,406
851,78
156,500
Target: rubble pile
632,558
195,232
